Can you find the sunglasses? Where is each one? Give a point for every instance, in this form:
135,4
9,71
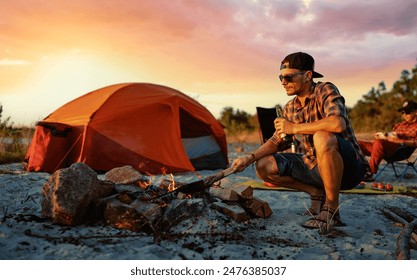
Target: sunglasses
288,78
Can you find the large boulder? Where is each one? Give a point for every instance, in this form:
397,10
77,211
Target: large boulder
68,193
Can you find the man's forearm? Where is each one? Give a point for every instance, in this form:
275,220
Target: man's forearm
335,124
266,149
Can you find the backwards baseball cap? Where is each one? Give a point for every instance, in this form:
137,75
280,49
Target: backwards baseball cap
300,61
408,107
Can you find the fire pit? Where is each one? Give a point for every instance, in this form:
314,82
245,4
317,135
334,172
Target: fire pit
126,199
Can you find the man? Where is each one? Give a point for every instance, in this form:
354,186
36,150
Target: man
385,144
333,160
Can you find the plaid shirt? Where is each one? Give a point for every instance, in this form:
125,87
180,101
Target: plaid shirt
406,130
323,101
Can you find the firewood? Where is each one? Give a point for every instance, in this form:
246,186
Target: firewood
224,194
243,191
234,210
257,207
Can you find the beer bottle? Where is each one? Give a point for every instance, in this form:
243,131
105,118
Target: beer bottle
286,139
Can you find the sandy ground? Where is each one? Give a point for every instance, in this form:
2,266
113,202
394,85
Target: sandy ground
368,234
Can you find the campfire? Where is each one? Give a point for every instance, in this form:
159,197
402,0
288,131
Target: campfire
126,199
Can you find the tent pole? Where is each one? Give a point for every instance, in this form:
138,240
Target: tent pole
65,156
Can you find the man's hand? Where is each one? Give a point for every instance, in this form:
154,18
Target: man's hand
240,164
283,126
392,136
381,135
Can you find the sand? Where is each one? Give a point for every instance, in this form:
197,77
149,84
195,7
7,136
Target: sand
368,234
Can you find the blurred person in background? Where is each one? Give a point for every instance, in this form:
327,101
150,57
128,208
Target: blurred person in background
385,144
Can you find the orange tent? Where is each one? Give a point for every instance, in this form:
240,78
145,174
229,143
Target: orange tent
153,128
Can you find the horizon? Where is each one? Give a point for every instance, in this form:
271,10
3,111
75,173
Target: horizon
221,53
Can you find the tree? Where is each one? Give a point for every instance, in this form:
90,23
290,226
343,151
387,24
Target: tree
237,123
376,111
3,124
381,87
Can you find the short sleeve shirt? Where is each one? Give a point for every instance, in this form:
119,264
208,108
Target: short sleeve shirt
324,100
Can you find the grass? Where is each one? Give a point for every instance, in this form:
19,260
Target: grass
14,143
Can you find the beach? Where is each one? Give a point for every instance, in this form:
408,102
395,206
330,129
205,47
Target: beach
368,234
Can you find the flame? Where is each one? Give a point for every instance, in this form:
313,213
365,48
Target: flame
172,186
144,184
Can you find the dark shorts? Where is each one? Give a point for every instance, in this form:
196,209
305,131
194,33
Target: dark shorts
290,164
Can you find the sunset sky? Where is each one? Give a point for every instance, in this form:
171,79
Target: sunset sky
220,52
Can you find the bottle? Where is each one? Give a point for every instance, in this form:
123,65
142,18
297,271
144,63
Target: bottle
286,139
293,147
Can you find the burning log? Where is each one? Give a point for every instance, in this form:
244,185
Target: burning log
152,211
197,186
180,210
123,216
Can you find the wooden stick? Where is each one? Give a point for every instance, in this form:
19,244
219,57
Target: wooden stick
403,243
404,238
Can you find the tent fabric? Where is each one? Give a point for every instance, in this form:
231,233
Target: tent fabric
139,124
200,146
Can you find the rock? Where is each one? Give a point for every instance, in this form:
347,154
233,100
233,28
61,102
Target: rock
69,192
96,211
126,175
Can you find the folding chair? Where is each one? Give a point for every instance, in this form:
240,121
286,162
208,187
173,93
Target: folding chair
266,117
402,154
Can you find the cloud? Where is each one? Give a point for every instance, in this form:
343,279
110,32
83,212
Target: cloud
270,27
13,62
226,46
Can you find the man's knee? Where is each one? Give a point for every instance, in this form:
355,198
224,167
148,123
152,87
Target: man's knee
325,141
265,167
